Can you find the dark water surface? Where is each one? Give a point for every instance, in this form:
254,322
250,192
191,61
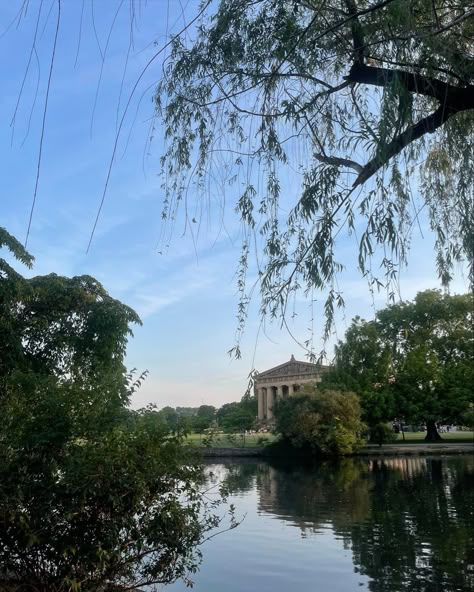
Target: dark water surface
382,525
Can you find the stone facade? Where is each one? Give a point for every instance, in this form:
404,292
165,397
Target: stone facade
283,381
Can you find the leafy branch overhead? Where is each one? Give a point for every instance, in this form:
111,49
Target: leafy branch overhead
323,116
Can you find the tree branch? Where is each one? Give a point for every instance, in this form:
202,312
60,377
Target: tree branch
426,125
454,98
356,30
335,160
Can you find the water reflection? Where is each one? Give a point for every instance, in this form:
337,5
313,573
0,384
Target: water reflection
409,521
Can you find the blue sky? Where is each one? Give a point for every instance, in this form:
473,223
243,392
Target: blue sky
185,293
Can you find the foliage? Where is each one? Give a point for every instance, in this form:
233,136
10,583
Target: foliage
357,115
170,417
415,360
238,417
89,507
92,496
468,417
66,329
325,421
362,365
203,419
186,411
210,437
381,433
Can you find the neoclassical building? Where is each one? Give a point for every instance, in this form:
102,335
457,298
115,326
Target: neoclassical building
283,381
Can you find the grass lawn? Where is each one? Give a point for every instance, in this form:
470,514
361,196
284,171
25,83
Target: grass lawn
222,440
252,441
414,437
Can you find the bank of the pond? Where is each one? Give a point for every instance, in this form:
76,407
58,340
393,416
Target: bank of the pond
436,448
235,452
417,449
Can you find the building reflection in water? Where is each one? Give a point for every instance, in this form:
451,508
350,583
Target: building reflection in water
408,521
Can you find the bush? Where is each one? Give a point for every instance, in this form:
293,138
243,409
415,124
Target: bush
93,503
326,422
381,433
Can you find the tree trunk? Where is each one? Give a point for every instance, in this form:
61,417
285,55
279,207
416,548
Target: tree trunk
432,434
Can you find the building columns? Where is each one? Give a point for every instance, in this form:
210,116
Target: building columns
269,395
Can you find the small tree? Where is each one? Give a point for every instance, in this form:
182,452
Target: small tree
238,417
324,421
203,419
381,433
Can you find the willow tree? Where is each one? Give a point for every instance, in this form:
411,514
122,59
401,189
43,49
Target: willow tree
368,105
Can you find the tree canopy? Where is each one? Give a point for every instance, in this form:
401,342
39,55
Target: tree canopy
238,416
415,360
92,496
367,105
326,422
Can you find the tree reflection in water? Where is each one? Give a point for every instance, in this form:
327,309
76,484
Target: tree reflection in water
408,521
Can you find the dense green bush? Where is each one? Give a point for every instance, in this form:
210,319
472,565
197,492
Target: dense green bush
381,433
324,421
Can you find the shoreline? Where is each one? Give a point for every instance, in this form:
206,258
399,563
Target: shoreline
437,448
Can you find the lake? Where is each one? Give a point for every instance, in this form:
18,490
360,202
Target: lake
381,525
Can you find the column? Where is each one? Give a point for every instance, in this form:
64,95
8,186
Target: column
280,392
269,403
260,403
291,390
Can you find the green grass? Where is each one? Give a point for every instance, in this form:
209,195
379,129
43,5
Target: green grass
222,440
414,437
252,441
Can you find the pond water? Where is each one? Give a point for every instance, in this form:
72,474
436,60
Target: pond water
381,525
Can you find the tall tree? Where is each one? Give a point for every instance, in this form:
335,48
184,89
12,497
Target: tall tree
432,345
415,360
203,419
363,363
367,104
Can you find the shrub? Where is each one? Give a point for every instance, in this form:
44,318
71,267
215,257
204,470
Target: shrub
327,422
381,433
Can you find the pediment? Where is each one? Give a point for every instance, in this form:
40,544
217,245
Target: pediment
291,368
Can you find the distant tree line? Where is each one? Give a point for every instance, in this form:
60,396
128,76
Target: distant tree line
233,417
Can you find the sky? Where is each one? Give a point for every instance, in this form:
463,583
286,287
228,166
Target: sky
184,289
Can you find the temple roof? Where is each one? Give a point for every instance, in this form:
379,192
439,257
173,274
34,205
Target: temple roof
292,368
